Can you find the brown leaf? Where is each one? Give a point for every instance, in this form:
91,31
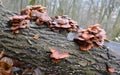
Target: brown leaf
107,39
5,68
7,60
36,36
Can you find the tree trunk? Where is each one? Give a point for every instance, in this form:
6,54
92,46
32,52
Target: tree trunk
25,48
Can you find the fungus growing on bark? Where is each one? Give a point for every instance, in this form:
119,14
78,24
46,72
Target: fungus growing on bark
58,55
63,22
42,18
27,10
92,36
19,22
36,13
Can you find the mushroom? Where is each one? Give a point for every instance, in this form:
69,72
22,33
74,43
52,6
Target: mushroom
86,35
19,22
42,18
63,23
33,11
6,65
39,8
58,55
92,36
84,41
26,10
94,28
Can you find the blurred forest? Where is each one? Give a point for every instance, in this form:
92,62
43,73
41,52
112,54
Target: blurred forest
85,12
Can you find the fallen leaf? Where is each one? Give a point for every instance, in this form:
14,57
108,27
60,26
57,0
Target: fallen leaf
7,60
36,36
107,40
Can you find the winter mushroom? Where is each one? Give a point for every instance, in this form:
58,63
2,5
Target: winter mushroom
94,28
58,55
19,22
26,10
39,8
63,22
92,36
34,11
84,41
42,18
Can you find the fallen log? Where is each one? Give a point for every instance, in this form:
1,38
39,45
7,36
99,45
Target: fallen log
36,52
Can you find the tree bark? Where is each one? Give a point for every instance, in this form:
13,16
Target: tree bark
25,48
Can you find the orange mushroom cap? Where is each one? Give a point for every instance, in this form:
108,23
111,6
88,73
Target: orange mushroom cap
94,28
56,54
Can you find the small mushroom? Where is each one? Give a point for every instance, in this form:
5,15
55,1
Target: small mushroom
5,68
42,18
83,44
94,28
34,15
86,35
34,12
58,55
39,8
26,10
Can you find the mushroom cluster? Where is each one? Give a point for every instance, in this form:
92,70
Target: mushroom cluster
36,13
63,22
19,22
92,36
